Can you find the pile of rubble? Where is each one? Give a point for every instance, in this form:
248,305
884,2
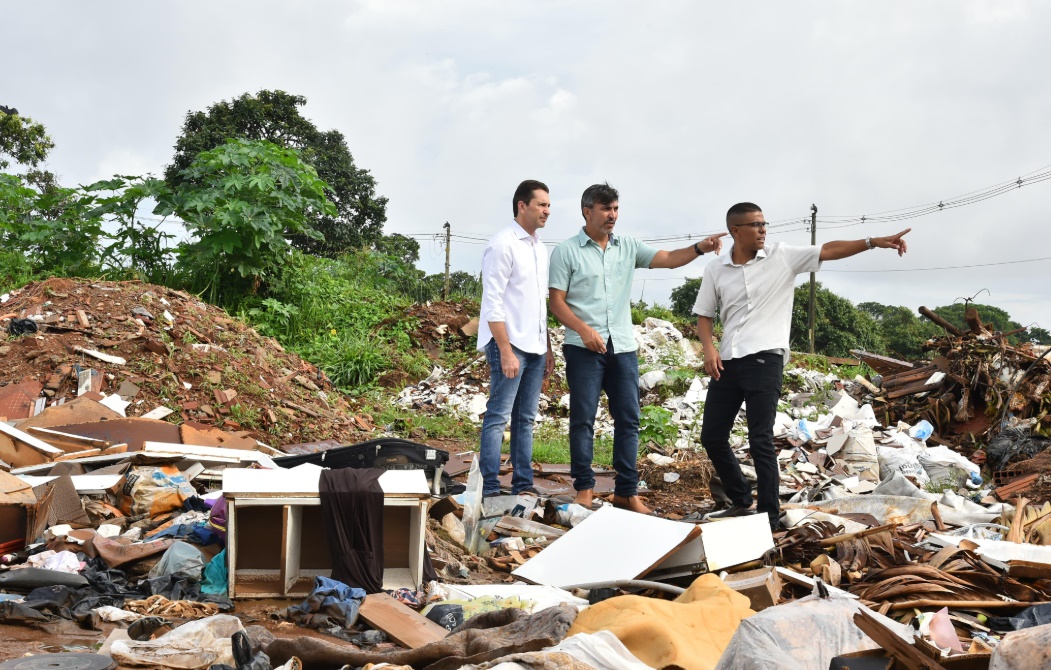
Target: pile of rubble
164,354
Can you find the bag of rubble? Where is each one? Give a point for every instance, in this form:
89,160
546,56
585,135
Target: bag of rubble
154,490
905,460
945,466
859,453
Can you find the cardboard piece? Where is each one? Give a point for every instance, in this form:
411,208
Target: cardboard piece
403,625
622,544
20,449
762,587
79,410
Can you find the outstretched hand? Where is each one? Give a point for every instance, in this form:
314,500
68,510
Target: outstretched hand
892,242
712,243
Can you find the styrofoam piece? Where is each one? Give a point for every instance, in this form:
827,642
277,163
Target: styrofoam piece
736,540
998,552
610,545
191,450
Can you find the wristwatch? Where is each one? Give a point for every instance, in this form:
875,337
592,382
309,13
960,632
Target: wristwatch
868,242
697,248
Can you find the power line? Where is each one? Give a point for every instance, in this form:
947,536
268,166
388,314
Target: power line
952,267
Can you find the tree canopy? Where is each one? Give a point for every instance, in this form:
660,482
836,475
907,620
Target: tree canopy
839,325
904,332
274,116
684,297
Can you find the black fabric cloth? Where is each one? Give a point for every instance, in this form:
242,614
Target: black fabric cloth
1037,615
352,510
756,381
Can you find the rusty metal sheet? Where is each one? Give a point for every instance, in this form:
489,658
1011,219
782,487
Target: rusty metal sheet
18,400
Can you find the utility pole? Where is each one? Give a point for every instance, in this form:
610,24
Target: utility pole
813,278
448,244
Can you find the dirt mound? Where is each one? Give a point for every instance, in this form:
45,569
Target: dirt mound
177,351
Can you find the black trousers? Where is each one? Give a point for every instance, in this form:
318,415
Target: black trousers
756,381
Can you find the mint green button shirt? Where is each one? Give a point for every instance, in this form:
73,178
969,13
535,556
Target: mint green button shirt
598,284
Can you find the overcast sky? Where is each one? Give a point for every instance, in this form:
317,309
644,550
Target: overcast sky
687,107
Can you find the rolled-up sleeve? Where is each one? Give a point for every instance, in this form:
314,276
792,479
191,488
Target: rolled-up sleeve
496,273
706,304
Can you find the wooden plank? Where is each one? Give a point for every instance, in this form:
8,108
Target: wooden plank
403,625
909,656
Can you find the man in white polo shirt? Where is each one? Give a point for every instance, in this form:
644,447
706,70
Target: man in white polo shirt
512,331
751,288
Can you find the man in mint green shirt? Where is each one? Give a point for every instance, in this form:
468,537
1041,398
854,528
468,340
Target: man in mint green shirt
590,293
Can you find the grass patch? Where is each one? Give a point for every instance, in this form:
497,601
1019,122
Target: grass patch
551,445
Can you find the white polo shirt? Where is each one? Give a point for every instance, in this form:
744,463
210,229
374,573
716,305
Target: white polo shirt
514,289
754,300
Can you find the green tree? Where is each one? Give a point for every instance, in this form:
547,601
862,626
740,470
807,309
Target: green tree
902,330
137,245
683,298
839,325
1038,335
57,229
239,202
27,143
274,116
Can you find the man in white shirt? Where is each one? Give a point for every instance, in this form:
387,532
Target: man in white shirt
512,331
751,288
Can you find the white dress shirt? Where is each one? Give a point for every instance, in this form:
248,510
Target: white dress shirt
514,289
754,300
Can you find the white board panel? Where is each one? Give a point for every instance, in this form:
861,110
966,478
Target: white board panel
736,540
609,545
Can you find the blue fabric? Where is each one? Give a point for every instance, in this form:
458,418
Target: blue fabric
335,600
197,533
513,400
215,575
588,374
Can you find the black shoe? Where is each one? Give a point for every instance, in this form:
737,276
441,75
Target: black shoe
529,490
731,511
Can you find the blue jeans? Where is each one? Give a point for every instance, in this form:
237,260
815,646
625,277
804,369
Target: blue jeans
512,400
588,374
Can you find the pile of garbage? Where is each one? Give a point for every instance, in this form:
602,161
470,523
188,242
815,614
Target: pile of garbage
195,544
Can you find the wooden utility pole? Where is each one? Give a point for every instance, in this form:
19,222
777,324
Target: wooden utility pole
448,244
813,278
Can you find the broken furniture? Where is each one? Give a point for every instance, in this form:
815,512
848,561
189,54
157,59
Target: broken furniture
276,537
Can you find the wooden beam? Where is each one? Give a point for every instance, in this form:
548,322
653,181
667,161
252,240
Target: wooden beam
908,655
952,330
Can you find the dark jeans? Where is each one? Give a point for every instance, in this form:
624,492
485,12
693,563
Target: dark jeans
756,381
588,374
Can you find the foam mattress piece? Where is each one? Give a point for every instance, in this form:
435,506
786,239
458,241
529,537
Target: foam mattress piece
690,632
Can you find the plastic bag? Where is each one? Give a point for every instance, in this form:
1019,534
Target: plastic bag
181,560
197,644
945,465
904,460
472,506
772,638
860,454
154,490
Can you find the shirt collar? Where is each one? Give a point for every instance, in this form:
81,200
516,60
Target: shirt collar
583,239
521,233
728,258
